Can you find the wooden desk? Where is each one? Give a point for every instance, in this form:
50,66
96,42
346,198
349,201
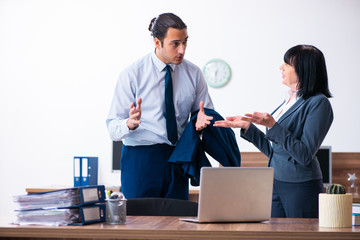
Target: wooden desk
141,227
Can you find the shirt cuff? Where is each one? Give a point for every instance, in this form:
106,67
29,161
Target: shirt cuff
118,129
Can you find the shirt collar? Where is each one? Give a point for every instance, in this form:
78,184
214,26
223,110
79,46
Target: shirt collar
288,95
160,65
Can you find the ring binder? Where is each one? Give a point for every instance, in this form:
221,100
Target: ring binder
63,216
85,171
77,196
70,206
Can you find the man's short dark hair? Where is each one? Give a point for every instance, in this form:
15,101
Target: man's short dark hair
160,25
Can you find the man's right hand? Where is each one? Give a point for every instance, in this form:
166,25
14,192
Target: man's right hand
134,115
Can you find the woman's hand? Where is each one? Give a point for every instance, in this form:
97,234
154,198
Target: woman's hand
233,122
263,119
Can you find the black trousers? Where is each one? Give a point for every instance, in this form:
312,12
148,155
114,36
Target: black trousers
296,200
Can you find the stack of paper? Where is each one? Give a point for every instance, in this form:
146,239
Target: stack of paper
356,214
72,206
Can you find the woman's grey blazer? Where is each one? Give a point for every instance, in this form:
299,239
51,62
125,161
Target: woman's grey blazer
291,144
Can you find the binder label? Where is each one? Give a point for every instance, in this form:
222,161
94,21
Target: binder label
91,214
90,194
76,167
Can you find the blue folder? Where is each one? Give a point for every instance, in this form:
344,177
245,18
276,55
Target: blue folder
85,171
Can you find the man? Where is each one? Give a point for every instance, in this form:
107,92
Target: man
150,117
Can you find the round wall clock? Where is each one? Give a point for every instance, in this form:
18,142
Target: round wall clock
217,73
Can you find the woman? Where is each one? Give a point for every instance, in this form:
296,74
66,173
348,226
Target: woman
295,131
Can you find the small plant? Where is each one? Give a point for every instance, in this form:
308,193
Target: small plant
335,207
335,189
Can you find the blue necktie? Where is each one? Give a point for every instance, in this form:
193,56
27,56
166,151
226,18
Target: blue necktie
169,108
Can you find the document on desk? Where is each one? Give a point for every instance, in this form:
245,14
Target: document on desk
77,196
62,216
78,205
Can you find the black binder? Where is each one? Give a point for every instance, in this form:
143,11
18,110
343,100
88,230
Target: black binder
70,206
63,216
91,214
77,196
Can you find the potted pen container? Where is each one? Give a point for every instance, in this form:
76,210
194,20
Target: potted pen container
335,207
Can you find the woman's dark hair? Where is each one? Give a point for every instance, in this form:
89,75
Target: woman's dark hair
310,67
160,25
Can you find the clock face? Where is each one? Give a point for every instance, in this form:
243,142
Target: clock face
217,73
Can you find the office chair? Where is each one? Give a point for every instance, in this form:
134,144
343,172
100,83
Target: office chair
160,207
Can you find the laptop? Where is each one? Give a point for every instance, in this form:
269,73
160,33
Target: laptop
234,194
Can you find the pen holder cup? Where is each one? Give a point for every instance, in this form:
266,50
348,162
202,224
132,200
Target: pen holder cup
116,211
